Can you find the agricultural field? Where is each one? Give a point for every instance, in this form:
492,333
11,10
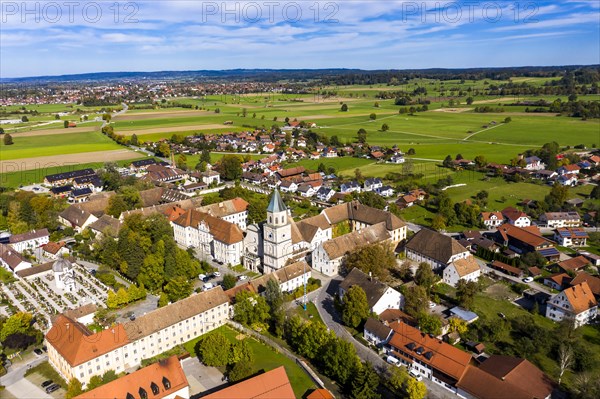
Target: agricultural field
442,130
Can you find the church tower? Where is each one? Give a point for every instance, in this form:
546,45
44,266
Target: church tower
277,235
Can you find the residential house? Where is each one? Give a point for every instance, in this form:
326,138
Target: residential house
534,163
212,236
350,187
516,217
76,218
571,237
567,180
558,281
524,240
270,384
106,225
376,333
379,296
397,159
372,184
325,193
76,352
80,195
466,269
501,376
436,249
12,260
141,165
211,177
568,169
288,186
554,220
83,314
233,211
61,179
491,219
55,250
164,379
385,191
406,201
306,190
428,356
292,277
592,281
30,240
577,303
163,174
574,264
592,258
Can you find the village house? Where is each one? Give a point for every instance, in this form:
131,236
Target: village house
379,296
435,249
164,379
376,333
466,269
524,240
271,384
491,219
513,377
568,169
427,356
576,303
558,281
211,177
76,218
105,225
574,264
592,281
12,260
554,220
55,250
325,193
76,352
372,184
61,179
516,217
571,237
534,163
385,191
30,240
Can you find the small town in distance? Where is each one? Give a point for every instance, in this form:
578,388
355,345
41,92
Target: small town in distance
255,223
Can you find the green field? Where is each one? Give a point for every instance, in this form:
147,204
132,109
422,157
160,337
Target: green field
266,358
56,144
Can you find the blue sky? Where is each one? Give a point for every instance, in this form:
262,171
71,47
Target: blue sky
52,38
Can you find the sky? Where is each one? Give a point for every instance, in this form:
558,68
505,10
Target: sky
68,36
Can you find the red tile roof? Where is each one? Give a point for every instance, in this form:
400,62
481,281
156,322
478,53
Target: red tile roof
446,358
165,376
273,384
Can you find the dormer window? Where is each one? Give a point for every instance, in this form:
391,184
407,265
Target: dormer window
143,393
129,396
166,383
155,389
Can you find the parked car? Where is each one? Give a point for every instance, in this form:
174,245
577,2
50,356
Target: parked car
52,388
393,360
528,279
38,352
242,277
207,286
432,305
202,277
216,274
47,383
415,374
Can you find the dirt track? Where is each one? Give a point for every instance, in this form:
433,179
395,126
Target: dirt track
67,159
46,132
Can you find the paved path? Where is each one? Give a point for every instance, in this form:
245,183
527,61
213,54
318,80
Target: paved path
325,307
17,385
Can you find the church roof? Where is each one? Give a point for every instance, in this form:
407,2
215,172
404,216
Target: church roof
276,204
61,265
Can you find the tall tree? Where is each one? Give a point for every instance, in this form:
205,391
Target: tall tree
356,307
8,140
364,385
213,350
465,293
425,277
339,360
377,259
74,388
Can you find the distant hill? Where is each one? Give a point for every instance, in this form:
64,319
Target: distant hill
332,75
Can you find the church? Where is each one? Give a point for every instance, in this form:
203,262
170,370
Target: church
279,240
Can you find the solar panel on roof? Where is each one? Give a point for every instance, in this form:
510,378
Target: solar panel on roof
549,252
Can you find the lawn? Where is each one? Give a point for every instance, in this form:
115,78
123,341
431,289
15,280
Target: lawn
266,359
311,313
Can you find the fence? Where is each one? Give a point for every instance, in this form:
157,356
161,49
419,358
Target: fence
279,349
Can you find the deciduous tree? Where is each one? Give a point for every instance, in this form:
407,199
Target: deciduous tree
355,307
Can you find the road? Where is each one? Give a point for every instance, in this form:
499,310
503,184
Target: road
15,381
326,309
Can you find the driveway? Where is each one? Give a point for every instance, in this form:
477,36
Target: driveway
326,309
201,378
